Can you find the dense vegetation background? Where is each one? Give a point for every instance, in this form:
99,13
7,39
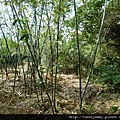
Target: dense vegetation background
54,50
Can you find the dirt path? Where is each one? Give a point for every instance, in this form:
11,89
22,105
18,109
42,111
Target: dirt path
97,100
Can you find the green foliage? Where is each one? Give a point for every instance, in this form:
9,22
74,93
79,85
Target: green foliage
115,109
110,75
24,37
68,57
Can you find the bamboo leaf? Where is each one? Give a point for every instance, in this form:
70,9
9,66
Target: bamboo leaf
15,21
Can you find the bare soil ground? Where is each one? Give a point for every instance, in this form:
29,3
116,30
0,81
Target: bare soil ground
98,99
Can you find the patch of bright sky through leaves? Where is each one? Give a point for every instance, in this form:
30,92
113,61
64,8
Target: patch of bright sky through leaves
7,25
